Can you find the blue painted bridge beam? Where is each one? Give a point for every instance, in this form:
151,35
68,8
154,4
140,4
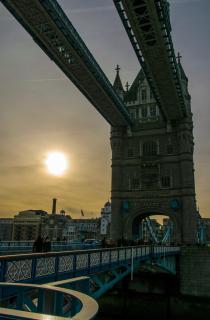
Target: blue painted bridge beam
147,24
55,266
51,29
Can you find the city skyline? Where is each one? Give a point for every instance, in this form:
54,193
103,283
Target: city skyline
42,111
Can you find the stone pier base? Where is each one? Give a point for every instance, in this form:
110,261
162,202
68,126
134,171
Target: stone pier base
194,271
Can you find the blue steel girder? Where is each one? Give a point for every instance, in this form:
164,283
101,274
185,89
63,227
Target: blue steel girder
51,29
148,27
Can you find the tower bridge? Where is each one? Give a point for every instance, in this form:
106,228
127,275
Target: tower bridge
152,155
151,123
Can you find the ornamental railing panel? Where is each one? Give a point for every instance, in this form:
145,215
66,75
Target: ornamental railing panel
45,266
32,267
66,263
18,270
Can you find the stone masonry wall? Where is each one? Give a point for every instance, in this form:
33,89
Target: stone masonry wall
195,271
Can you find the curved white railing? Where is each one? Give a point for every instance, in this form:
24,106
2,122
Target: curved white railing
23,308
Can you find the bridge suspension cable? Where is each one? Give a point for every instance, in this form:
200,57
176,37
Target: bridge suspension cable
150,229
168,233
147,24
51,29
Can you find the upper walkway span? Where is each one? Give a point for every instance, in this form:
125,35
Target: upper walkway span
148,26
51,29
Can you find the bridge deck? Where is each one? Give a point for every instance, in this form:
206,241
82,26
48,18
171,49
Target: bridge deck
52,266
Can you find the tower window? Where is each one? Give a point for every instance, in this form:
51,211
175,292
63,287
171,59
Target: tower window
166,182
144,112
133,114
169,149
144,95
153,111
130,153
151,94
150,148
135,183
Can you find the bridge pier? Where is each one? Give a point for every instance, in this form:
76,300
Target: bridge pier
117,222
194,271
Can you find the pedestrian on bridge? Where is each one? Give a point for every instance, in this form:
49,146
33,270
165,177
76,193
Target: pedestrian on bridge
38,244
47,245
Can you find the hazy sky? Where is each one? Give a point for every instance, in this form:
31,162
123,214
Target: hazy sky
41,110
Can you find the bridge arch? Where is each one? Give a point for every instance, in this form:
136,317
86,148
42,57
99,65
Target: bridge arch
141,213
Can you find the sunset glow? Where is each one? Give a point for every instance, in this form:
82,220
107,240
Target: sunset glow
56,163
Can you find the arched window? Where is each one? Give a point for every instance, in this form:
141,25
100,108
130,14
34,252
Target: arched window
150,148
143,94
144,112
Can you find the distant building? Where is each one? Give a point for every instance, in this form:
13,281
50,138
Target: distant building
6,227
53,225
80,229
206,226
27,224
106,213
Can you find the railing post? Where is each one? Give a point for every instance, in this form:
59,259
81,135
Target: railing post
56,267
110,257
2,275
41,301
33,268
49,306
89,264
152,252
118,256
75,306
20,298
59,298
74,264
132,264
100,259
2,270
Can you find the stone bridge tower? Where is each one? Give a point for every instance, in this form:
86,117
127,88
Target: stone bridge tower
152,165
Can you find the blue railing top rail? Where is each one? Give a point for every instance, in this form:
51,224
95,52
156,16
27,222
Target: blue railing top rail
27,246
165,248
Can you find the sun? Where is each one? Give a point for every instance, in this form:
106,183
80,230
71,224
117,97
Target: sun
56,163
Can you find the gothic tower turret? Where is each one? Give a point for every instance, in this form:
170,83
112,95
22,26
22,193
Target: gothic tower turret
118,84
152,164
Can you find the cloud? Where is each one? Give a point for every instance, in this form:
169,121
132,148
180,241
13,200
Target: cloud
183,1
19,170
6,19
93,9
45,80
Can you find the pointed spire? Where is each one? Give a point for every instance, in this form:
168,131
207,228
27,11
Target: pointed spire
127,86
179,57
117,69
182,73
117,82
